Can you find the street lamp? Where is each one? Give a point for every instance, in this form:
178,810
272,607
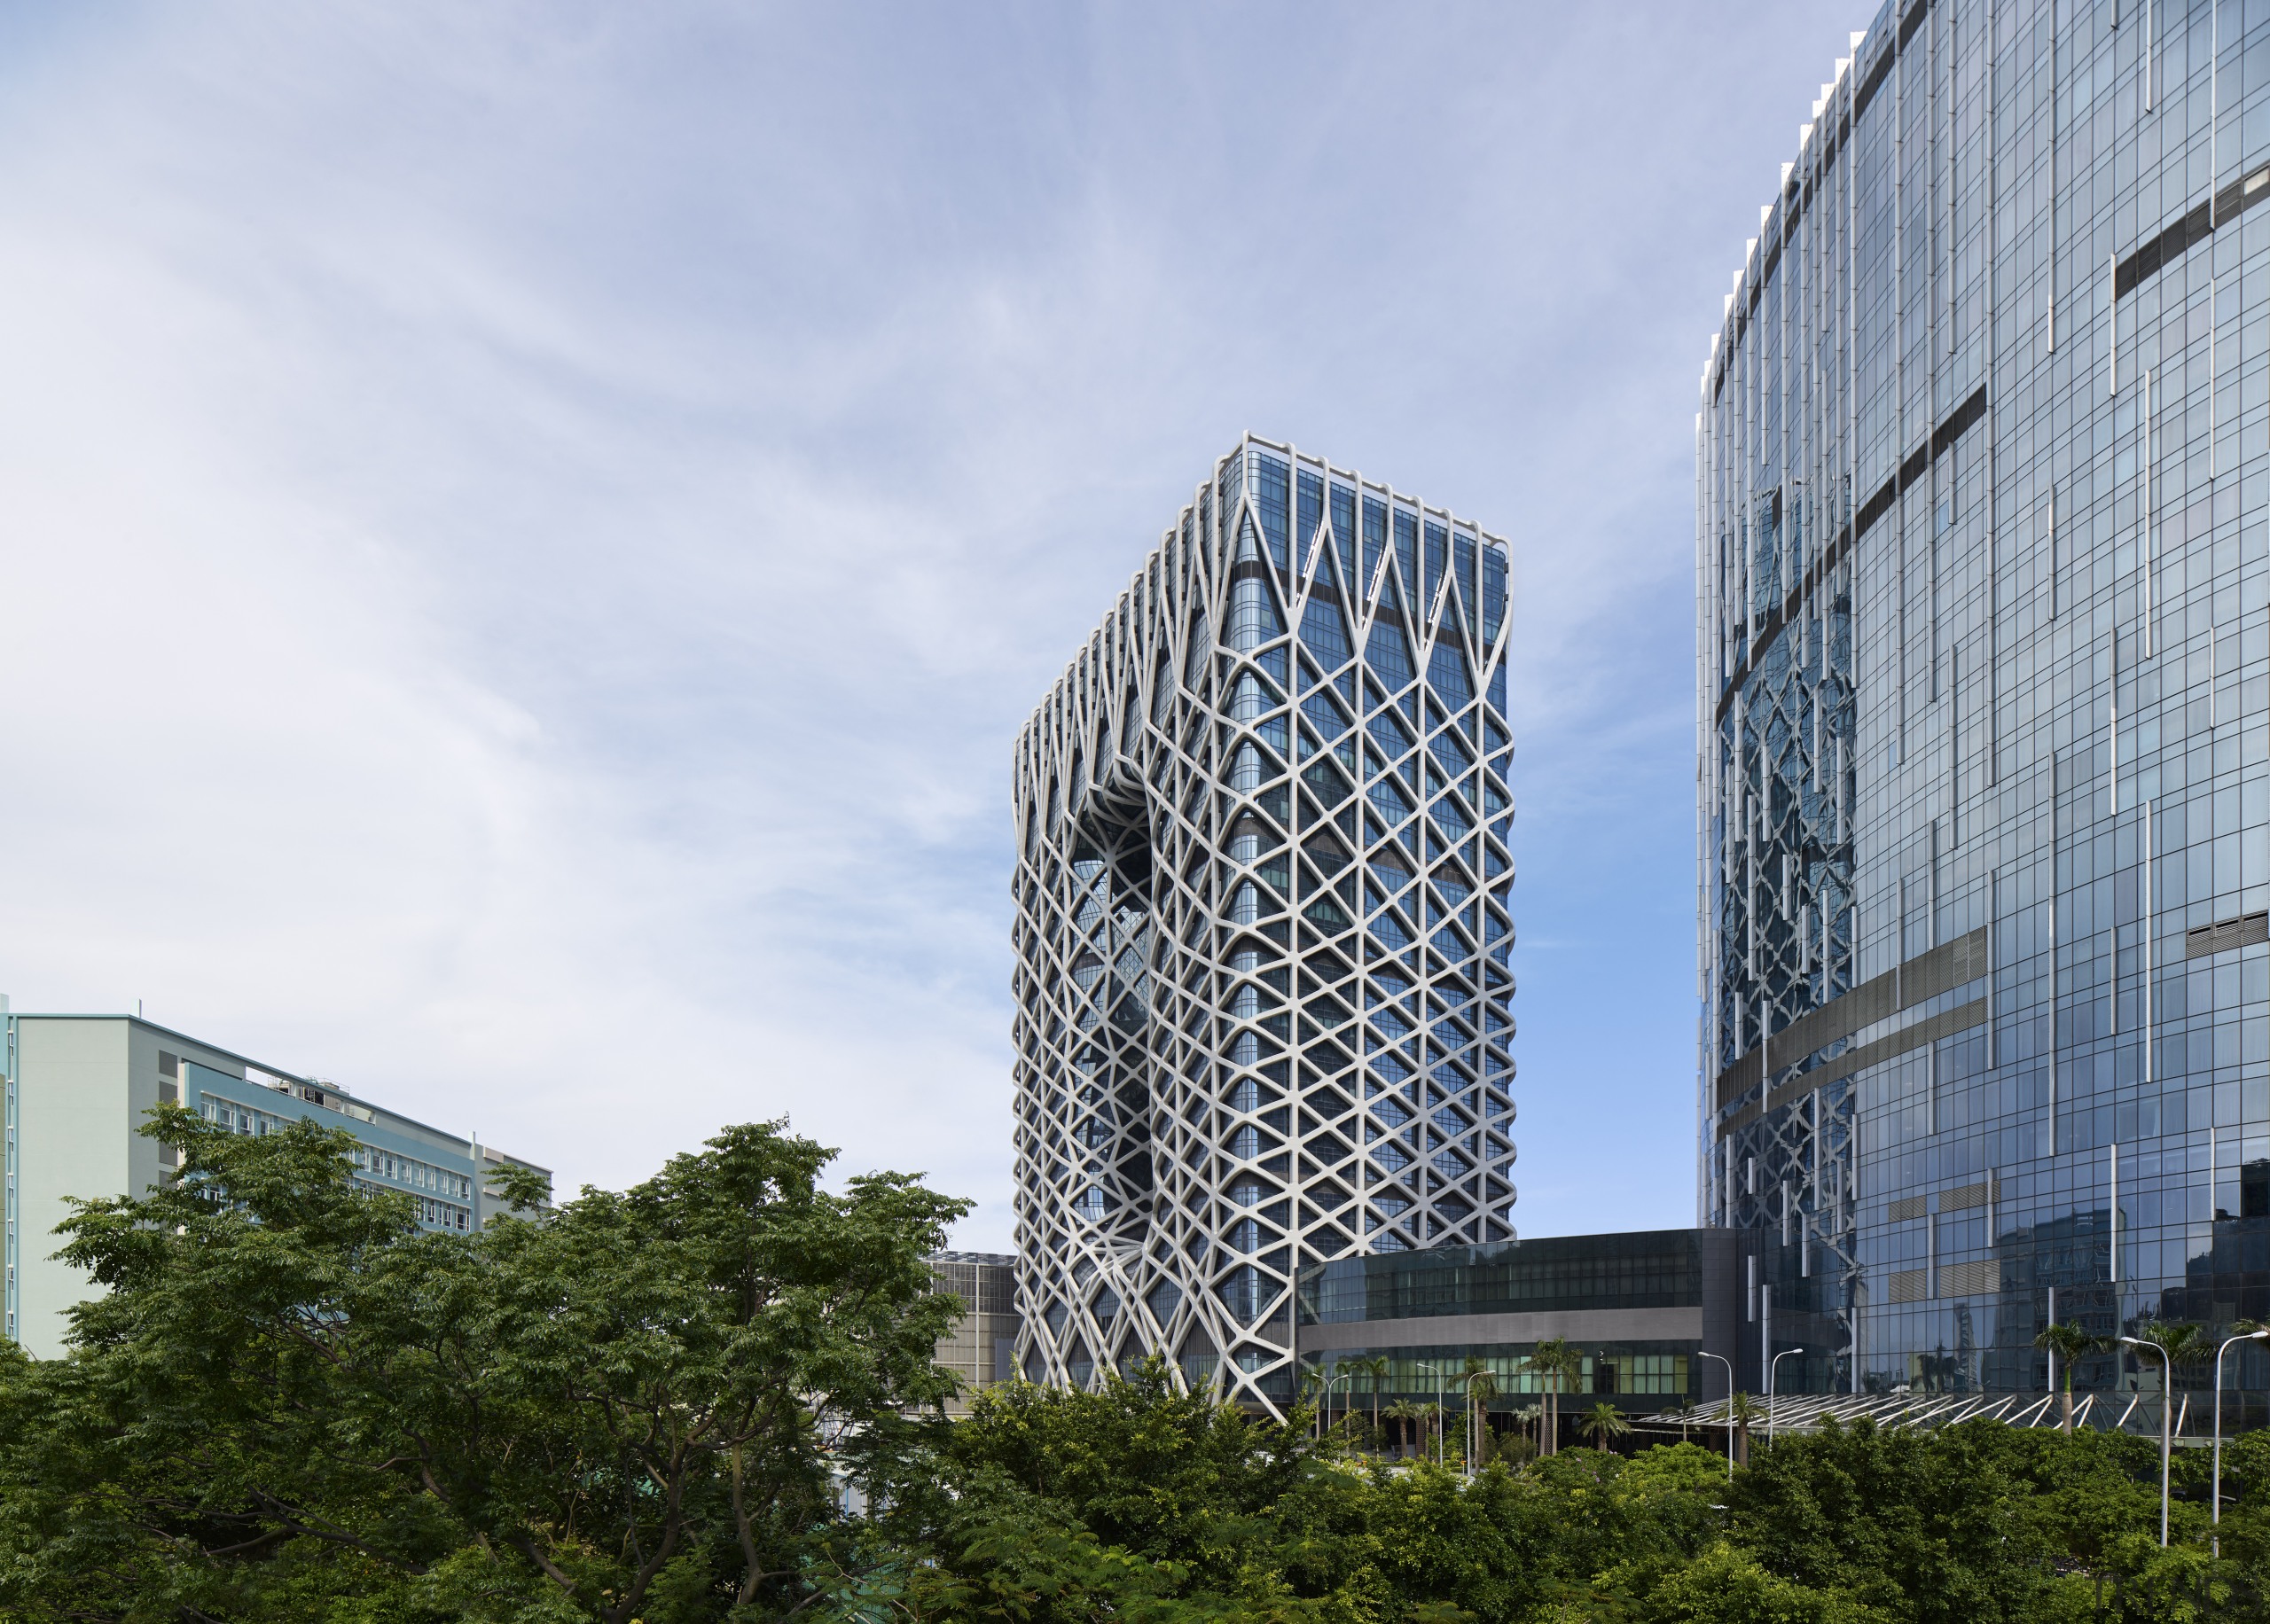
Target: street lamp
1323,1399
1441,1456
2167,1409
2243,1336
1770,1369
1729,1363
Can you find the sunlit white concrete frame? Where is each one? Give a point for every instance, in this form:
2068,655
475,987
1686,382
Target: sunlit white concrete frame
1262,988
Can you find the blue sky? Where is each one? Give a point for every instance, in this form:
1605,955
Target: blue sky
531,529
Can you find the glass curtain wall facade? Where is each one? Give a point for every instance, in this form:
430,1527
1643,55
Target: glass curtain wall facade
1262,999
1984,694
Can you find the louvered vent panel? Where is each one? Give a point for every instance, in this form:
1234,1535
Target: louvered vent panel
1981,1279
1970,1195
2225,934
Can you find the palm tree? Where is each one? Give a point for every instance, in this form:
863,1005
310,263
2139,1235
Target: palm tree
1604,1426
1741,1411
1480,1385
1407,1410
1527,1415
1541,1362
1375,1368
2181,1342
1555,1361
2180,1339
2069,1345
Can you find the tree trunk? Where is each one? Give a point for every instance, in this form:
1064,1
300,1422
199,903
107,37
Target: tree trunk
2069,1410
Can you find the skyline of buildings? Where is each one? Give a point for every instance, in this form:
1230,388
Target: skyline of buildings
1262,990
1984,682
1983,777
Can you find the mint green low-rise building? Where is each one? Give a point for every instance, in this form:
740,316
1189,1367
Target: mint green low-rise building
78,1089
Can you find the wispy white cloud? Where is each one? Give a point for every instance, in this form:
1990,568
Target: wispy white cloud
531,529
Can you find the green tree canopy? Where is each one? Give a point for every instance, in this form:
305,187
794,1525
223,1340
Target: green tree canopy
637,1407
292,1404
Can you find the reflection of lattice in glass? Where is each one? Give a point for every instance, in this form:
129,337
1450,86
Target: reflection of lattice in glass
1263,987
1778,788
1777,793
1783,789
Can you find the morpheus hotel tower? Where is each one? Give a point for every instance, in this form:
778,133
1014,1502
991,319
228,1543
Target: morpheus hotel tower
1983,557
1262,933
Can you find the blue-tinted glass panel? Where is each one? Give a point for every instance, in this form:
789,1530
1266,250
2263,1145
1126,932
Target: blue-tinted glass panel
1324,634
1271,497
1343,532
1310,515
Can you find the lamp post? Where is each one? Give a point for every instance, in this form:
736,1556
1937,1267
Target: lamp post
1324,1399
1770,1369
2243,1336
2167,1408
1729,1363
1442,1432
1442,1456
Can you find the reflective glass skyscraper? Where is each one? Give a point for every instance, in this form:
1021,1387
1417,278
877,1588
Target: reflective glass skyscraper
1985,824
1262,984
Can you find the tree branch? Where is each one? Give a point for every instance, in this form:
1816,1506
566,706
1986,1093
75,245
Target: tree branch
526,1546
